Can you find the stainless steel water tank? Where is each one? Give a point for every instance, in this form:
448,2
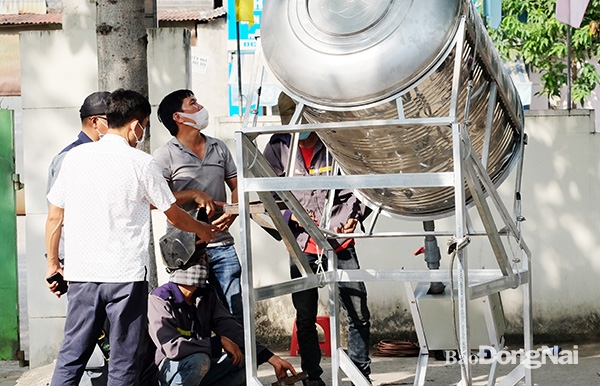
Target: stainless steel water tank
350,60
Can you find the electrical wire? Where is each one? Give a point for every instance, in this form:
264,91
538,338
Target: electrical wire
396,348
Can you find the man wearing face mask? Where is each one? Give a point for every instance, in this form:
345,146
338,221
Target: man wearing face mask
93,126
195,163
347,212
104,194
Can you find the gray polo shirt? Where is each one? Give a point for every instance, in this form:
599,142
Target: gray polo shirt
184,170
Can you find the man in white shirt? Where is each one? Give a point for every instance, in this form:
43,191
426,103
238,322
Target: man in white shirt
93,127
104,194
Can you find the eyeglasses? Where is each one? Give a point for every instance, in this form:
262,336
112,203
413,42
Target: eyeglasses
145,126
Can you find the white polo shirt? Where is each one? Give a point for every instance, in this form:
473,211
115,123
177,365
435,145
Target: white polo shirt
106,189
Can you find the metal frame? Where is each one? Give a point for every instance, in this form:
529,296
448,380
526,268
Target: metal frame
256,176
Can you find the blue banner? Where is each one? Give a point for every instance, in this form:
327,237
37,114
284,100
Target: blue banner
247,45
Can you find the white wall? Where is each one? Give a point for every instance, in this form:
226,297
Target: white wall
57,72
561,182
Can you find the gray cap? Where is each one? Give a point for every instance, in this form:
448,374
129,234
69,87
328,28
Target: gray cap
94,104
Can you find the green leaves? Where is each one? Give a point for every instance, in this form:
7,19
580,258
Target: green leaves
587,80
529,30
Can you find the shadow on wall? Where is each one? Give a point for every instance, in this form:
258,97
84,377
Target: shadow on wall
561,179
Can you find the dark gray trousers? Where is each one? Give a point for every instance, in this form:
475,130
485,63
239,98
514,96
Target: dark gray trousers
125,305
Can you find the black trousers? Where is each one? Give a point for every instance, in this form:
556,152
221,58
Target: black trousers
353,296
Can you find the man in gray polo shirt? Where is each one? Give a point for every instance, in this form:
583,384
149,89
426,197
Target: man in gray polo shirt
196,164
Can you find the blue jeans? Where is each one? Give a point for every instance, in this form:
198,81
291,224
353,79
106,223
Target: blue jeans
224,275
200,370
353,296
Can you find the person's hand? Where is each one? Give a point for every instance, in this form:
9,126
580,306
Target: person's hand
233,350
310,213
349,227
53,287
295,219
205,232
206,201
281,366
225,220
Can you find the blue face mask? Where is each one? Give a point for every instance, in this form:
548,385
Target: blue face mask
303,135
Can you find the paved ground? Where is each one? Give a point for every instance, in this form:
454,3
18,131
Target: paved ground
390,371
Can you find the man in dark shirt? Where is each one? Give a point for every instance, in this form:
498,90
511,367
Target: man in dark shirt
312,159
182,315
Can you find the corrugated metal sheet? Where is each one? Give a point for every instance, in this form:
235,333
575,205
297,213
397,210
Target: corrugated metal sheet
16,7
184,4
189,13
48,18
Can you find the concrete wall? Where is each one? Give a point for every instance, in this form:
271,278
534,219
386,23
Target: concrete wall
560,179
57,70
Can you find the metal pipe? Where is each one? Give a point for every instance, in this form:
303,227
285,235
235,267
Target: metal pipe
432,256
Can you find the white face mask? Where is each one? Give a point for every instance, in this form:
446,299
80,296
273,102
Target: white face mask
139,141
200,117
98,131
